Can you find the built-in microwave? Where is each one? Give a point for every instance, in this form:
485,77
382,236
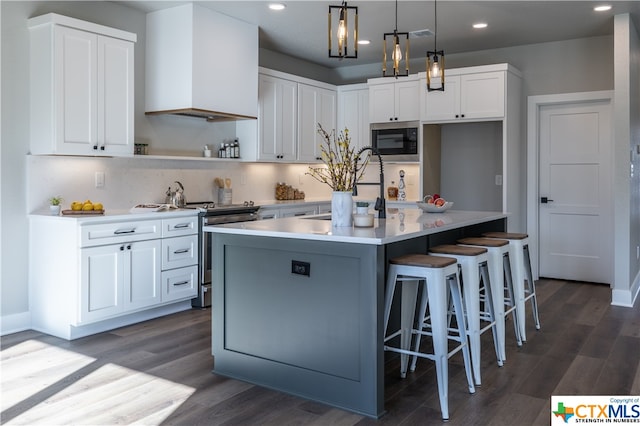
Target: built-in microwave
396,141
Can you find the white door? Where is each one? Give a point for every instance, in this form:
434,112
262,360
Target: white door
575,194
141,285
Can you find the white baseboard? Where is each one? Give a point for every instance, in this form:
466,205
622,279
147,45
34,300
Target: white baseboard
14,323
627,298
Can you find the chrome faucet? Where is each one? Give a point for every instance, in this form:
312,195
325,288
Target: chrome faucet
380,205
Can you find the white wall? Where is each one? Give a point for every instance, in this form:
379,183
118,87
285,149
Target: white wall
26,182
626,156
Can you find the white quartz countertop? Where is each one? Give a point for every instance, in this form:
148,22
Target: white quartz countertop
116,215
400,224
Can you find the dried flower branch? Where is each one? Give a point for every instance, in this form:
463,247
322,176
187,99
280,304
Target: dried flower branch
340,159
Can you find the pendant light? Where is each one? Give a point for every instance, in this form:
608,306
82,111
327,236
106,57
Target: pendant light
435,60
339,25
397,56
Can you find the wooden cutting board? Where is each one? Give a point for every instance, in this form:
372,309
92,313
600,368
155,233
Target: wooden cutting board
82,212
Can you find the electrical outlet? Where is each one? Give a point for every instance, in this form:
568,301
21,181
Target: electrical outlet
243,179
637,252
409,180
300,268
99,178
498,180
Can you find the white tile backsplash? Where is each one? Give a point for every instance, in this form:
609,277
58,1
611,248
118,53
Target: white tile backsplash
129,181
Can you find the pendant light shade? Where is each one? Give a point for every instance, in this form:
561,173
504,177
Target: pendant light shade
398,42
435,60
343,31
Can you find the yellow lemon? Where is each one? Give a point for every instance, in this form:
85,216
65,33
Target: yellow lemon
97,206
87,202
87,206
76,205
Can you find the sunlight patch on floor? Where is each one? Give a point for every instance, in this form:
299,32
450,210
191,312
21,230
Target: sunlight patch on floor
32,366
110,395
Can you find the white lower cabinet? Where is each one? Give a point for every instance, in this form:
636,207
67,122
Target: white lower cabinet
92,276
180,283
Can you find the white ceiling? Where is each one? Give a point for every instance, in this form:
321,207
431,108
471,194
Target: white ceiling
300,30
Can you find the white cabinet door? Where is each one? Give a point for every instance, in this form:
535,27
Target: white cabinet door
115,103
142,274
443,105
76,99
482,95
395,101
101,282
467,97
82,92
315,106
118,278
382,103
353,114
407,100
277,117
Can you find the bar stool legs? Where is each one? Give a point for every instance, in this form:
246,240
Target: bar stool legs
497,251
440,277
472,262
520,266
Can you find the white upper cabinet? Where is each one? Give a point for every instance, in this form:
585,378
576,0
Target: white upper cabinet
316,105
391,101
201,62
277,121
82,88
353,113
469,96
290,108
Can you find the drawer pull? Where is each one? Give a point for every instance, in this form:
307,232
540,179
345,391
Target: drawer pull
181,251
181,283
182,225
124,231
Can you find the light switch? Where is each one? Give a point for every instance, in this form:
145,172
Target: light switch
498,180
99,179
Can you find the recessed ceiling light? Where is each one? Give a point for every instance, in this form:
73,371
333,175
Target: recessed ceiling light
602,8
364,41
480,25
276,6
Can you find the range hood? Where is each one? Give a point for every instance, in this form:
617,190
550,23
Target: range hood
200,63
210,116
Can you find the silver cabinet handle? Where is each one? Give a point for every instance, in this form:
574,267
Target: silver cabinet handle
181,225
181,251
181,283
124,231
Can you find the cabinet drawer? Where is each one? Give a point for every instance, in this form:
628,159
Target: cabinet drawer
113,233
179,226
180,283
180,251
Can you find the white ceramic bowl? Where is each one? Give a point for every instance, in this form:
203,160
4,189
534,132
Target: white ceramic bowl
363,220
432,208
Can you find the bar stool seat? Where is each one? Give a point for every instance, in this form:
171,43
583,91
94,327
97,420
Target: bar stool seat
473,264
440,278
497,252
520,265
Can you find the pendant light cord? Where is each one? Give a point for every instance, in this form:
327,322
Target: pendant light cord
396,15
435,25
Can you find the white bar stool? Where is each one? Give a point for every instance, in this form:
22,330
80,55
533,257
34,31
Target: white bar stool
497,253
473,264
440,275
520,262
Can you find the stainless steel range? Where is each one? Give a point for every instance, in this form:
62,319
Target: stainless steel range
212,214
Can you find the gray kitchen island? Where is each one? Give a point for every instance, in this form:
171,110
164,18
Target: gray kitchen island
297,305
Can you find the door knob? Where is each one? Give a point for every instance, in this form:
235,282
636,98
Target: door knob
544,200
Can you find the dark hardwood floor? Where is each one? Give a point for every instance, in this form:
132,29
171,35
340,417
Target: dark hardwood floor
158,372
